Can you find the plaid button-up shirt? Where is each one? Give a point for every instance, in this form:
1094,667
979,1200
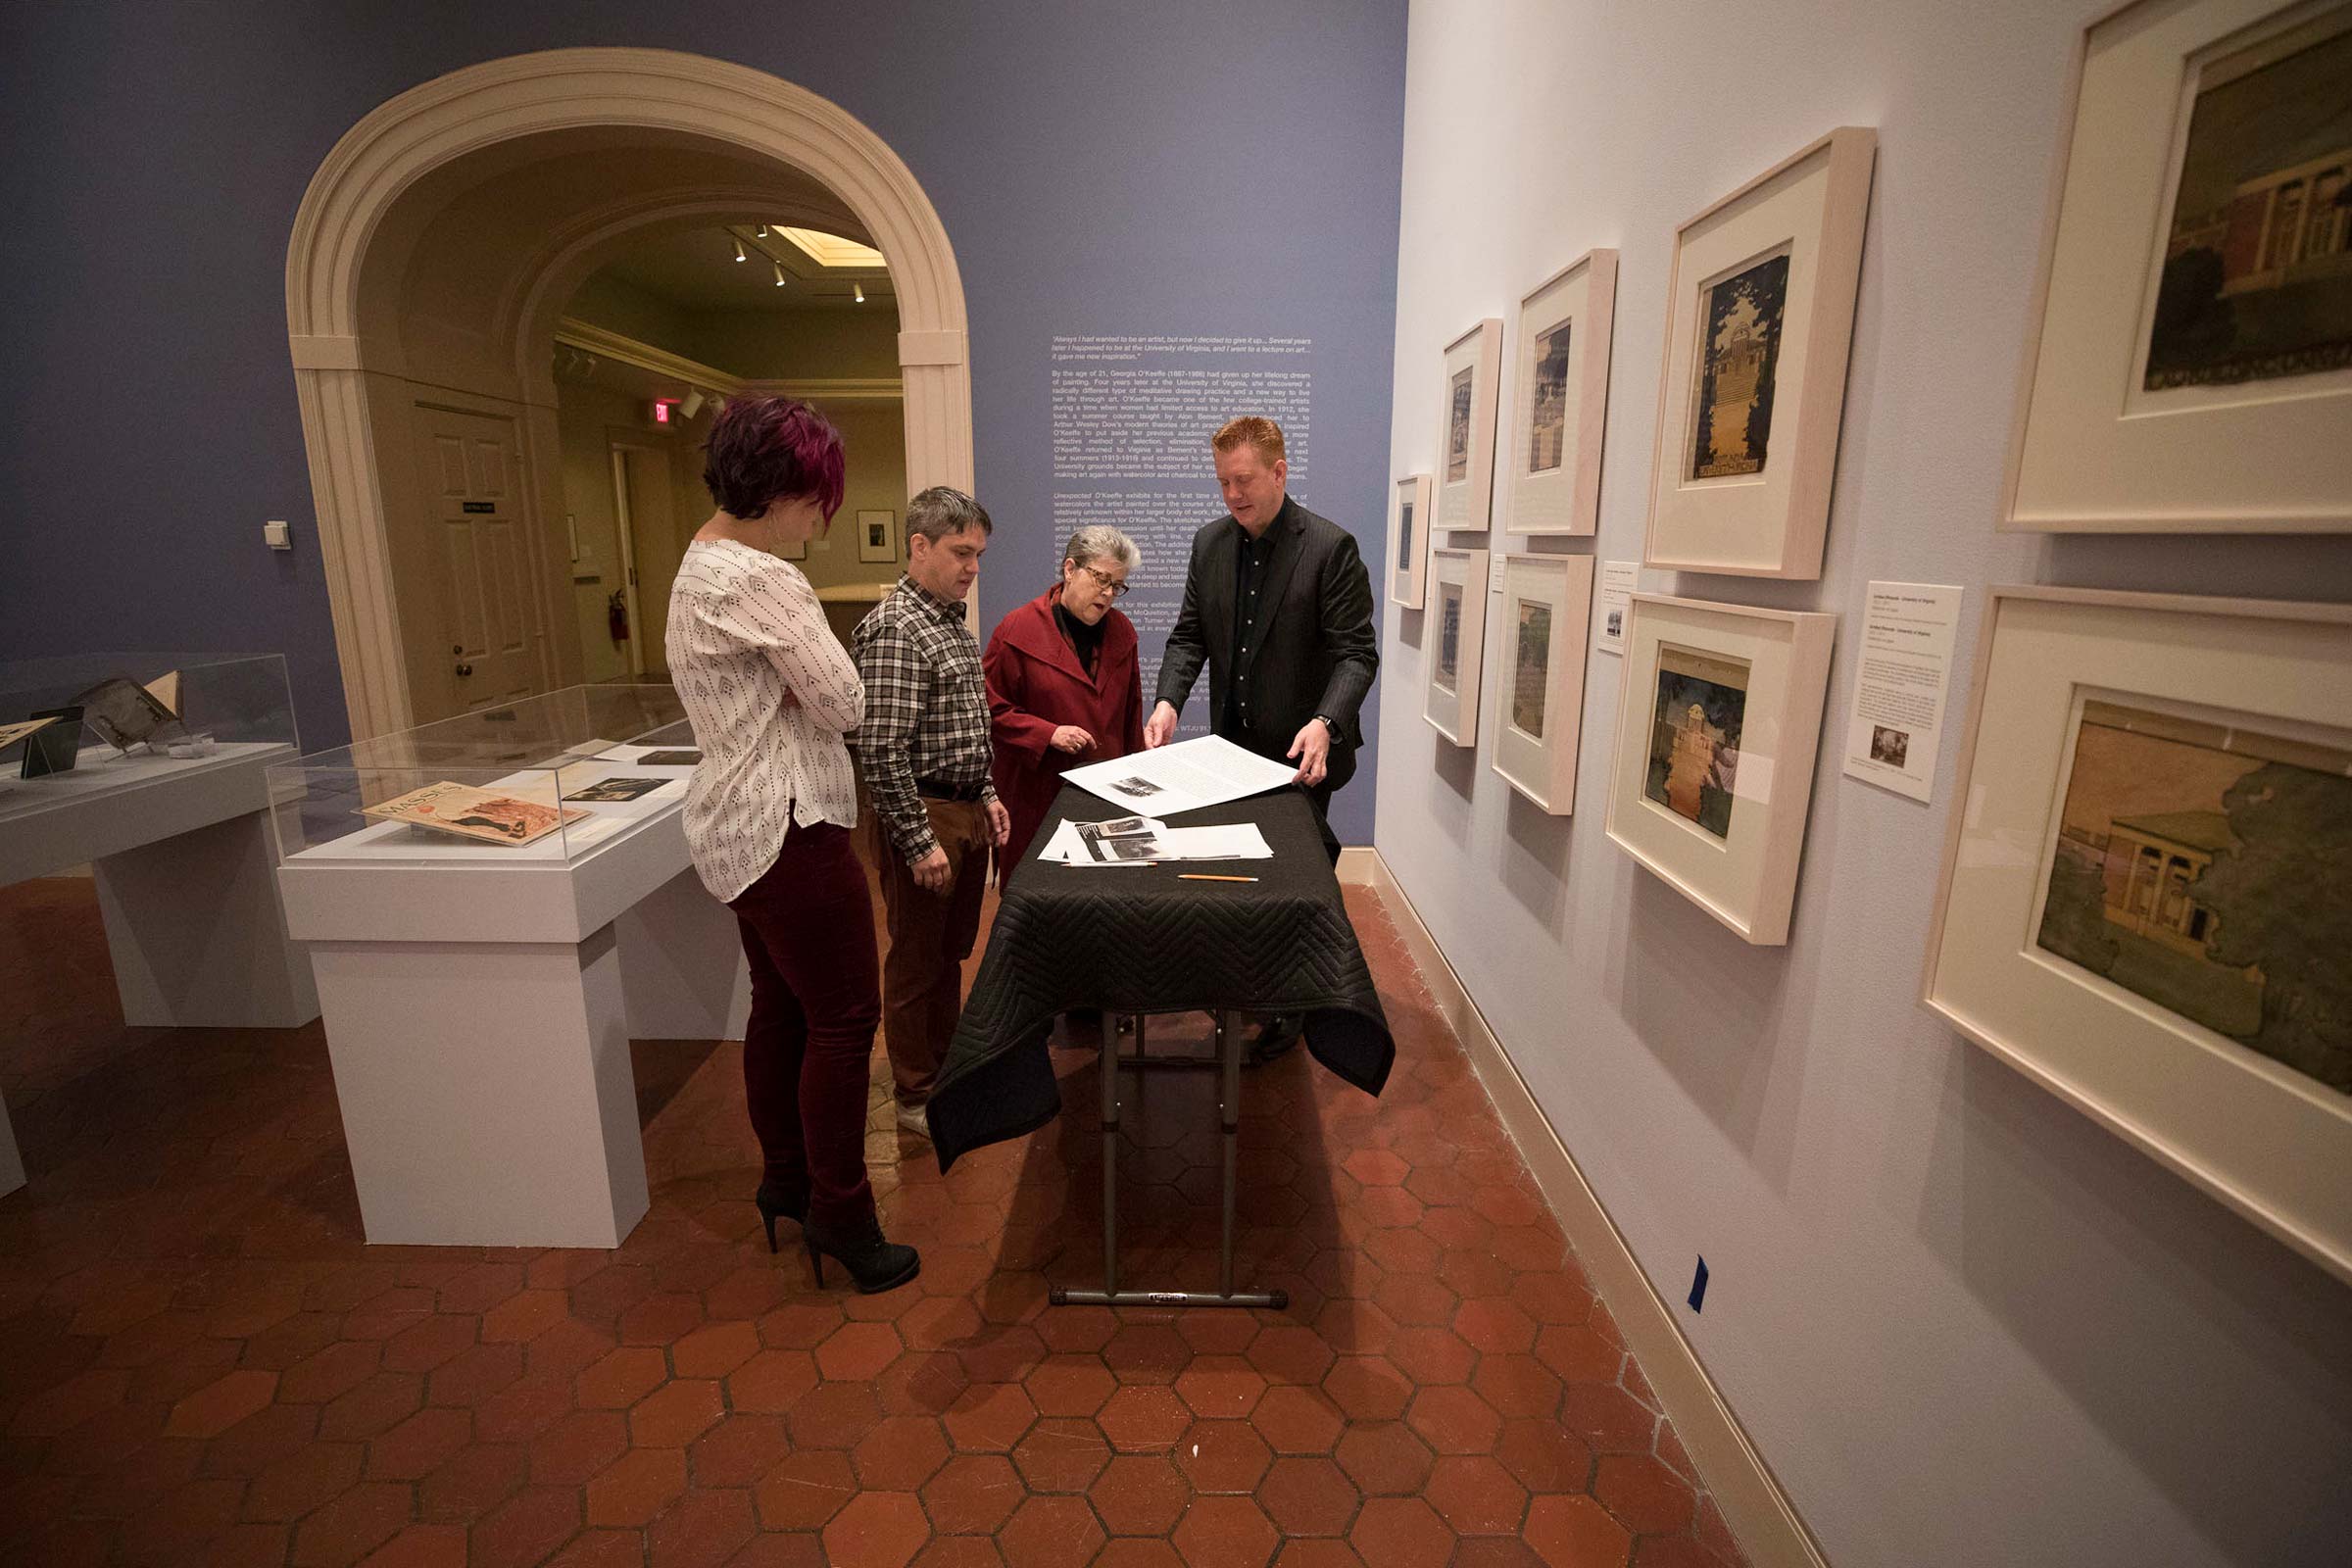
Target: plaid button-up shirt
926,710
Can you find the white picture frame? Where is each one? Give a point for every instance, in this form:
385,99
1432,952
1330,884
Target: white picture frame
1455,644
1560,399
2185,679
2116,432
1539,688
1725,832
1410,538
1760,318
1465,463
878,535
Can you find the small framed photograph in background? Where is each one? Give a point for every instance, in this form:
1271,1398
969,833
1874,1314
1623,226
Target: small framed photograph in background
1455,642
1560,400
1540,697
877,535
1466,428
1408,540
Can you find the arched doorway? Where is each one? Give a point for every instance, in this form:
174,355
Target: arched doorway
370,206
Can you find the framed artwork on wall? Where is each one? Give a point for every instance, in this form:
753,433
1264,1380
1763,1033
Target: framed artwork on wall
1761,313
1408,540
1713,770
2144,907
2189,364
1455,643
1560,400
1540,699
877,535
1466,428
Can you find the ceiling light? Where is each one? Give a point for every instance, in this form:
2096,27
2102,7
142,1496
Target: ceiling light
858,290
779,267
760,233
739,255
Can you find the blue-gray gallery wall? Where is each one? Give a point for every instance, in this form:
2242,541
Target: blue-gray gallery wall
1222,167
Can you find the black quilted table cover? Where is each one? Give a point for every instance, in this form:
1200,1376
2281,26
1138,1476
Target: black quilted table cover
1138,939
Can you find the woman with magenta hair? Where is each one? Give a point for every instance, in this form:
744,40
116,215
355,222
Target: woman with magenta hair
769,814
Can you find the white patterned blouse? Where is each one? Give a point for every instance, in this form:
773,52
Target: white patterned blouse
745,628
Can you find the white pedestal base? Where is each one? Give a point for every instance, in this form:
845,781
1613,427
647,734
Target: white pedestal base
197,934
681,964
486,1091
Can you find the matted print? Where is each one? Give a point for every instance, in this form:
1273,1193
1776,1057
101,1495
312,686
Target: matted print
1530,669
1454,647
1466,431
2201,865
1458,426
1449,636
1739,351
1548,408
1694,736
2257,280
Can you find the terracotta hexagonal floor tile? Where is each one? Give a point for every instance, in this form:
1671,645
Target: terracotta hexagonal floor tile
1305,1553
1427,1354
1494,1325
704,1528
1131,1552
1376,1167
833,1415
947,1552
857,1352
351,1527
1545,1455
1577,1353
302,1480
1553,1295
1227,1531
1673,1552
472,1482
878,1530
1368,1388
1140,1495
989,1417
660,1318
1146,1352
1286,1352
420,1445
1516,1385
737,1451
417,1547
1476,1496
622,1378
1647,1498
899,1453
1143,1418
714,1350
635,1487
1496,1552
1298,1420
1070,1384
973,1494
675,1413
1220,1388
214,1408
1411,1299
1607,1417
1308,1496
800,1325
1077,1329
771,1382
1576,1532
804,1490
1223,1456
1384,1458
527,1527
1051,1533
430,1341
1061,1454
1401,1533
574,1449
1454,1420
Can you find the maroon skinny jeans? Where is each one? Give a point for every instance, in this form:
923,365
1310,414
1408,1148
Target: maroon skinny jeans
816,998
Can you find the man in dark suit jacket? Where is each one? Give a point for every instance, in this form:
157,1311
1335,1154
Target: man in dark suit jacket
1279,605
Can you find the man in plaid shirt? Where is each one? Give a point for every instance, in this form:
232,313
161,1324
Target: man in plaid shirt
923,750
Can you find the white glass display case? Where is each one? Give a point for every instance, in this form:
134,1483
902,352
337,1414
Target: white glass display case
540,781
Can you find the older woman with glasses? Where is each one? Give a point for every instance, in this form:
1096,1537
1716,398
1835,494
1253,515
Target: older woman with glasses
1063,685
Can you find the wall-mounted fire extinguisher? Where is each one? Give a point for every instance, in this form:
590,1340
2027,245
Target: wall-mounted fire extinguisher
617,615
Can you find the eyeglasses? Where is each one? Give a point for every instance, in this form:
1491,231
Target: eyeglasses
1118,589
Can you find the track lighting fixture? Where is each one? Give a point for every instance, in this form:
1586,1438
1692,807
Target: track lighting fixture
779,267
693,404
739,251
858,291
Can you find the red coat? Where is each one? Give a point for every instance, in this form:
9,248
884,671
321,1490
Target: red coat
1036,685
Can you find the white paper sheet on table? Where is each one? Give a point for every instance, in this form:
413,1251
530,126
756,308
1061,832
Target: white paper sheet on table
1184,777
1239,842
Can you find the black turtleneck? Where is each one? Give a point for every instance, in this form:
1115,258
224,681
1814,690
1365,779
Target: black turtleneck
1086,641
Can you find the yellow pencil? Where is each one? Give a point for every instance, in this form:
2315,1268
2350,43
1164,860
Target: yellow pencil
1204,876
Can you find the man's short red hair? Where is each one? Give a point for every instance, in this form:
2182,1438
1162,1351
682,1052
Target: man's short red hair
1254,429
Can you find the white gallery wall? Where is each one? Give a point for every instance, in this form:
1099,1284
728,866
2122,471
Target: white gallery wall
1962,1324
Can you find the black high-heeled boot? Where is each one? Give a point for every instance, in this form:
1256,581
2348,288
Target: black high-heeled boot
873,1263
774,1201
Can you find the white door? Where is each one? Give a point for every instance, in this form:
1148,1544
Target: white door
486,630
651,549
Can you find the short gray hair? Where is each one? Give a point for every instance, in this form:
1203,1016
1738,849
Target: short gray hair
1099,541
944,510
